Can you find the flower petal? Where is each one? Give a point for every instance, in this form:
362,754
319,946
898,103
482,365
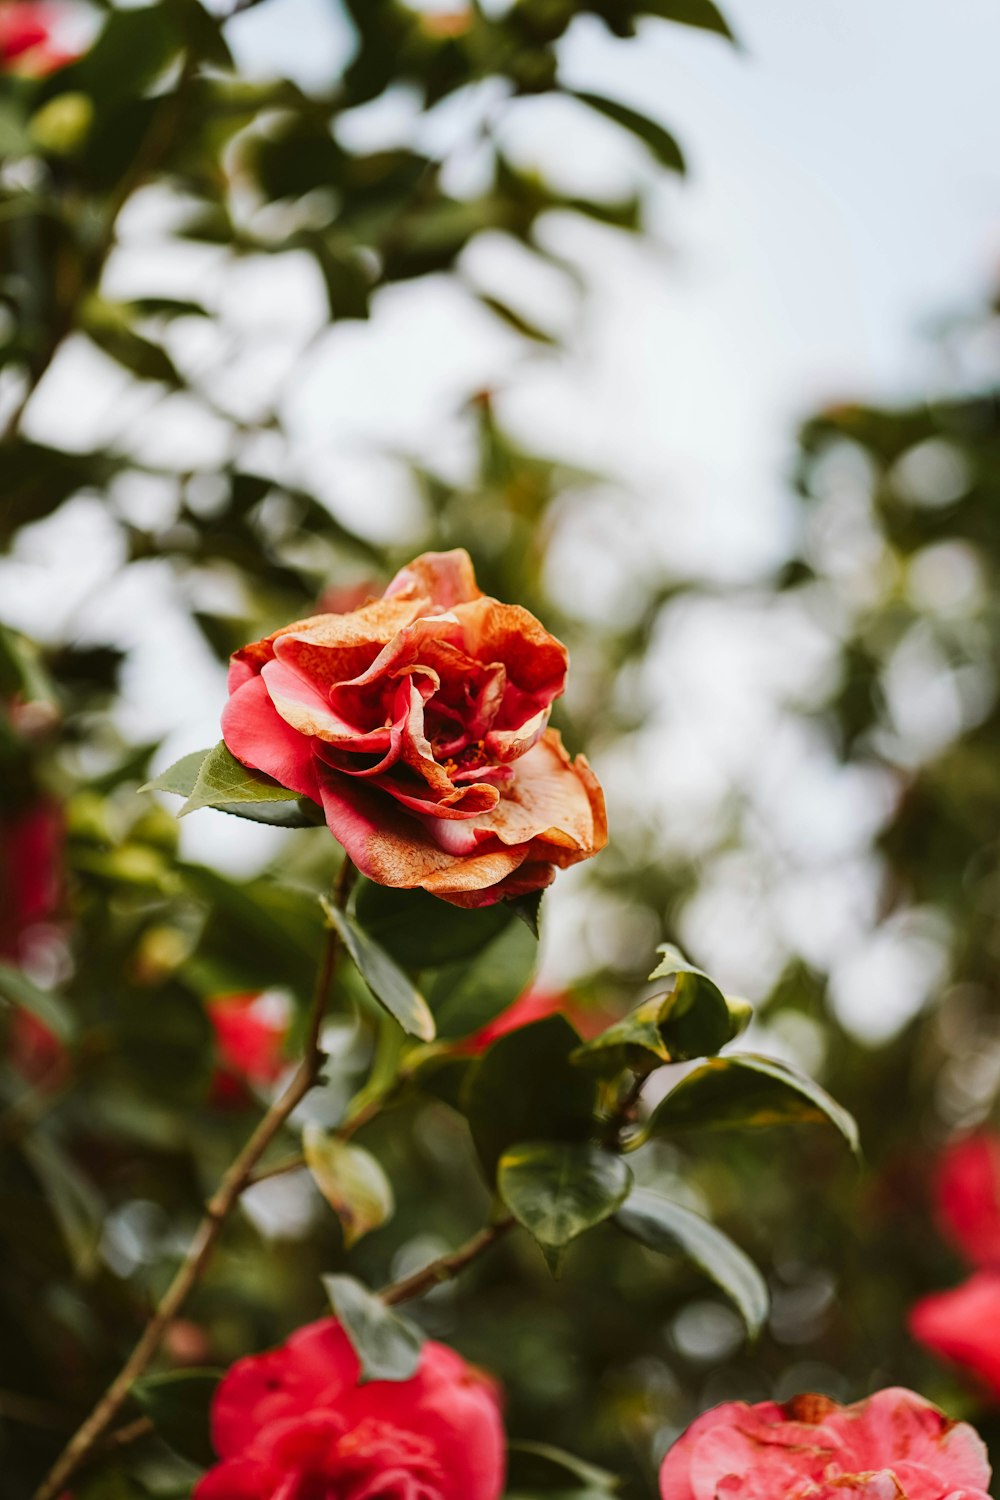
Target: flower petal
446,578
259,737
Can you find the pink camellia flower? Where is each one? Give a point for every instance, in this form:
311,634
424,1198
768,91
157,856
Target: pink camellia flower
963,1325
893,1446
250,1038
295,1423
419,723
968,1196
536,1005
26,42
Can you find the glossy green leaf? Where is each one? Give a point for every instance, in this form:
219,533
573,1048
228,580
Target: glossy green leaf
669,1228
386,980
528,909
745,1092
179,1404
633,1042
540,1466
695,1017
215,778
351,1180
420,931
388,1346
557,1191
653,135
466,995
526,1089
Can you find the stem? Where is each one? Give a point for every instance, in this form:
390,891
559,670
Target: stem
624,1113
446,1267
217,1211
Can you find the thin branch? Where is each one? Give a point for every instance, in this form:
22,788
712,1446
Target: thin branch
217,1211
446,1267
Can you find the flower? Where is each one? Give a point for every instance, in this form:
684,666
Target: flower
250,1039
963,1325
893,1446
535,1005
419,723
35,1052
295,1422
968,1196
31,881
26,44
31,850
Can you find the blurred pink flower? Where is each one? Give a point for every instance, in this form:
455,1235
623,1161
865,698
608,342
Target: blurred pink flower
250,1041
26,39
963,1325
536,1005
893,1446
968,1196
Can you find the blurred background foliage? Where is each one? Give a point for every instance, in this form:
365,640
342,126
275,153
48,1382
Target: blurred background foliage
111,1136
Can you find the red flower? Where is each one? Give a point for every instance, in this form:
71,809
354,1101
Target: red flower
26,39
418,722
31,863
294,1424
535,1005
968,1196
893,1445
31,856
250,1039
963,1325
35,1052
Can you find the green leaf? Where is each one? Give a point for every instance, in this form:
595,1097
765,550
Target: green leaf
667,1227
465,996
559,1191
384,978
215,778
178,1404
695,1017
421,931
46,1007
633,1042
179,778
701,13
658,139
526,1089
516,320
539,1466
74,1200
745,1092
351,1181
528,909
388,1346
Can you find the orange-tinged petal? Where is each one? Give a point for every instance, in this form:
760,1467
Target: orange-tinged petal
446,578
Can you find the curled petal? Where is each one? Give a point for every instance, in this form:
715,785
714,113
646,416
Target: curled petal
445,578
259,737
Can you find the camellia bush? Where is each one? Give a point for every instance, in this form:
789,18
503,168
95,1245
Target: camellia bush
310,1190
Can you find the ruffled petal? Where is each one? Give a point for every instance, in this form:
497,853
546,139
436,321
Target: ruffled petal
446,578
259,737
392,847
